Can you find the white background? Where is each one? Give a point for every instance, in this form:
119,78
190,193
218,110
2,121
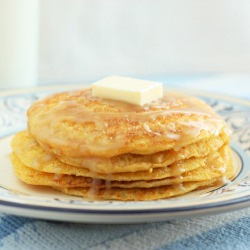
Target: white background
89,39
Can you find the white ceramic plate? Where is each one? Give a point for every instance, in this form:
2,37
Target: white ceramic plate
20,199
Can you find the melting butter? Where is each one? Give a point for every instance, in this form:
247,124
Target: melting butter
134,91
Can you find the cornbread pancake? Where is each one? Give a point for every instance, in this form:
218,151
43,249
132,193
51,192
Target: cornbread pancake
28,175
174,169
135,162
137,194
76,124
215,168
33,155
177,168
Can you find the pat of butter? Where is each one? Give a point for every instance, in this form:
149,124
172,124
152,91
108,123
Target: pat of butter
126,89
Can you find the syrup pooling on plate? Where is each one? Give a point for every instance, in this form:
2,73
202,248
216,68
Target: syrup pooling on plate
151,120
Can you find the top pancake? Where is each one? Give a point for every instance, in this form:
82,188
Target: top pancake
76,124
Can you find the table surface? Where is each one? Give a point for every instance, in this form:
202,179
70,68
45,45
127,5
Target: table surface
229,230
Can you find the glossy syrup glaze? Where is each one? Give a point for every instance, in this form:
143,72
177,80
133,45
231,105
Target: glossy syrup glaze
113,125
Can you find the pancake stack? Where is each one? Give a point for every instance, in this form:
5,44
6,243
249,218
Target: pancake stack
104,149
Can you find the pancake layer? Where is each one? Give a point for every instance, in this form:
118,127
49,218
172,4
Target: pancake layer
214,168
76,124
165,164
